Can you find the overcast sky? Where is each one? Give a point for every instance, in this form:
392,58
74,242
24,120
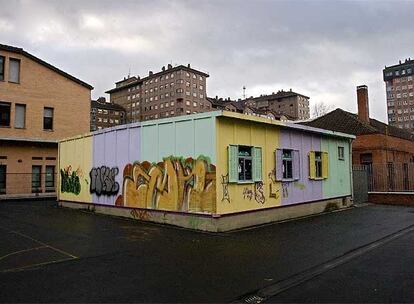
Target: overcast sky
322,49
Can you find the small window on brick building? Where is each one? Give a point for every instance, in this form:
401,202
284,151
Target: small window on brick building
14,70
4,114
48,118
2,59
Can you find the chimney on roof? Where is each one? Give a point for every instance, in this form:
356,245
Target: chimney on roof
101,100
189,66
400,61
150,73
163,68
363,104
169,66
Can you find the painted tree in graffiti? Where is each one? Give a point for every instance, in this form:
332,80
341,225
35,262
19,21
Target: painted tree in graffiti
174,184
70,181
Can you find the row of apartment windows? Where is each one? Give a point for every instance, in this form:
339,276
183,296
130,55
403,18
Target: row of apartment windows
178,81
399,88
401,95
170,76
36,178
245,164
399,72
20,116
106,112
108,120
401,118
14,69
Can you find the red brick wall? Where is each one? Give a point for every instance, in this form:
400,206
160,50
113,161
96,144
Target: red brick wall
383,148
392,199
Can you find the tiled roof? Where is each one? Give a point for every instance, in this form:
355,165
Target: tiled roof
16,50
342,121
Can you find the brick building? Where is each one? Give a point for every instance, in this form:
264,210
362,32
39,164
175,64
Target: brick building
39,104
289,103
173,91
388,151
399,86
106,114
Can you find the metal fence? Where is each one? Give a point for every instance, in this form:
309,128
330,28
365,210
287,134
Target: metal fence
389,177
27,183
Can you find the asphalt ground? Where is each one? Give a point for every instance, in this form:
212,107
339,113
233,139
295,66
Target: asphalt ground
52,254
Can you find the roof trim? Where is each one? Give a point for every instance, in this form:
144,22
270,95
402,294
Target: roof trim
12,49
36,140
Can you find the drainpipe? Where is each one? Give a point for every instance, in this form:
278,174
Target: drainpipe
350,171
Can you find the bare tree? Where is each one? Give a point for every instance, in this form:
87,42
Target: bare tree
321,108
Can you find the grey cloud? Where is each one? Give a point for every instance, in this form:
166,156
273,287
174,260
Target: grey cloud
320,48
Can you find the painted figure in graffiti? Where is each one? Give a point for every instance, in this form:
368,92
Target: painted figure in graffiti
259,193
70,180
103,181
174,184
225,183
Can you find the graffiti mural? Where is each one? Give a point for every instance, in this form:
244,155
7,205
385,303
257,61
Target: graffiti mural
103,181
70,180
140,214
225,184
257,193
175,184
247,193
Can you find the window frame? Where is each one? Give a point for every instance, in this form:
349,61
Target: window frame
341,152
19,69
50,187
24,115
2,67
255,158
44,118
3,189
318,165
35,188
285,162
6,104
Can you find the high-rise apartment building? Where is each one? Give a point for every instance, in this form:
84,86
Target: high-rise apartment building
106,114
292,104
400,94
173,91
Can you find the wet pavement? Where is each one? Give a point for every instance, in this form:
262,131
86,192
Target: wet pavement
52,254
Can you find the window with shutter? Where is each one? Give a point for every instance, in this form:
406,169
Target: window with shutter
257,164
279,165
312,168
232,163
325,164
296,165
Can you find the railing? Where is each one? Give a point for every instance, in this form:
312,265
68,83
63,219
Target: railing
389,177
17,184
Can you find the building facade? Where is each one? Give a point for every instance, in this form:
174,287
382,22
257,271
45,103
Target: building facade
39,104
211,171
400,94
288,103
386,151
174,91
106,114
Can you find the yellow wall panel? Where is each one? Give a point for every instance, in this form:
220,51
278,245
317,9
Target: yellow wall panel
234,197
75,163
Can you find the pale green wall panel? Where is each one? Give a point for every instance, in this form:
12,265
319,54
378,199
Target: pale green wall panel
166,140
339,181
205,138
149,143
